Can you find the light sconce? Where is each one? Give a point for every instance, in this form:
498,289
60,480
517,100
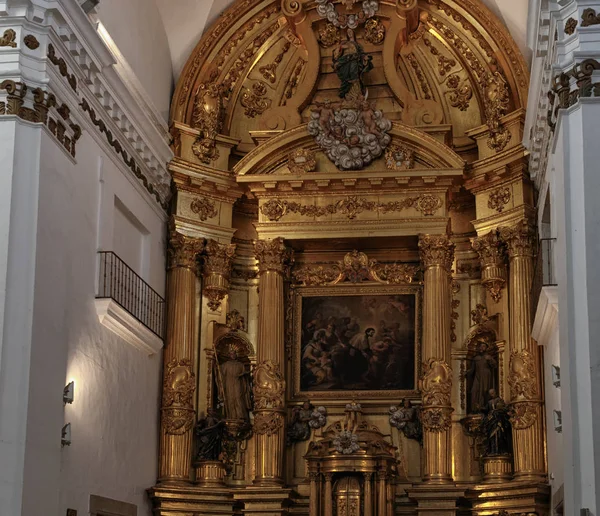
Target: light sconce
69,393
65,439
556,375
558,421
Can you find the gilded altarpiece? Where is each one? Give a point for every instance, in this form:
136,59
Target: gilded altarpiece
352,251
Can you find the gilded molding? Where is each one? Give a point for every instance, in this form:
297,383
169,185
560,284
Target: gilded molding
208,116
269,71
204,208
272,255
589,18
62,67
269,387
8,39
497,100
460,93
177,402
499,198
519,239
436,250
454,315
351,207
183,250
119,149
444,64
31,42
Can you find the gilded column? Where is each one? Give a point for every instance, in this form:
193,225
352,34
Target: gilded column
328,502
381,493
269,384
437,253
493,268
217,270
524,378
368,494
179,383
313,503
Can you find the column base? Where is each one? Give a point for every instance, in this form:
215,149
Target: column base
264,501
436,500
497,469
210,473
513,497
190,501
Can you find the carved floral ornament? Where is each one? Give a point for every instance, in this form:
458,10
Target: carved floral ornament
204,208
272,255
436,250
499,198
351,207
519,239
178,391
183,250
355,267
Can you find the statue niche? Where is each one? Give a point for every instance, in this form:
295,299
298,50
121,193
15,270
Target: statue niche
482,369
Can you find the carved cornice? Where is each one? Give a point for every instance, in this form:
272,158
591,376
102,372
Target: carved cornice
272,255
519,239
436,250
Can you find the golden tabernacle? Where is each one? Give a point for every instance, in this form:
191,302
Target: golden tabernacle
351,248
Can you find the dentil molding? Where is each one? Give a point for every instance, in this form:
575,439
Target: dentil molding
58,48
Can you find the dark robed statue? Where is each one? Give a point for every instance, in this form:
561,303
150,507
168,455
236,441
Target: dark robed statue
350,64
210,433
496,425
481,378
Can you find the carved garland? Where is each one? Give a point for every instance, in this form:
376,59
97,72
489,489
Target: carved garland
352,206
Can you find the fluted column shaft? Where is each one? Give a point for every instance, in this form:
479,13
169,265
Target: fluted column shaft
328,502
524,376
269,383
381,493
436,255
179,383
313,502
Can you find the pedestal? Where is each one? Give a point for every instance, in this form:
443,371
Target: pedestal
191,501
436,500
264,501
210,473
497,469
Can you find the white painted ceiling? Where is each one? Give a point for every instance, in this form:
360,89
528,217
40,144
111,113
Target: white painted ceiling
186,20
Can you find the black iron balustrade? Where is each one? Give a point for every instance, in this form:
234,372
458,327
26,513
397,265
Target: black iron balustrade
544,274
119,282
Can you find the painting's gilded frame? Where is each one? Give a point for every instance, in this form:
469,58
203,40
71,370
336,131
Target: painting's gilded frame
364,289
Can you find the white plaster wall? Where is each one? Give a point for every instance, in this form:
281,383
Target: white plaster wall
115,414
138,31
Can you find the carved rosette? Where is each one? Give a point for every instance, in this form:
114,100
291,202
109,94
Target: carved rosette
519,239
493,269
183,250
269,387
177,407
436,387
218,262
272,255
436,250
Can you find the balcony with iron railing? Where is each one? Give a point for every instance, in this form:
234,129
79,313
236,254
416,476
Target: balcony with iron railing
544,274
117,282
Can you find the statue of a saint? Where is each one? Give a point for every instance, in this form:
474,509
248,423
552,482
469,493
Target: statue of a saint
210,432
497,425
236,388
350,64
481,378
406,419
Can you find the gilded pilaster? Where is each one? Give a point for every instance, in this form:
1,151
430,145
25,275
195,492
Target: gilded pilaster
217,271
269,384
524,376
179,384
437,253
493,268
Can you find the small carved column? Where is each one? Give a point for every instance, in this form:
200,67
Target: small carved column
436,255
493,268
269,385
217,270
524,370
177,411
313,503
382,493
328,502
368,494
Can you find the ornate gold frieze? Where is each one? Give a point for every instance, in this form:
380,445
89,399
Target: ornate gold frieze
499,198
269,386
374,31
183,250
178,392
272,255
436,250
589,18
62,67
355,267
301,161
519,239
444,64
255,101
218,262
8,39
461,92
204,208
351,207
31,42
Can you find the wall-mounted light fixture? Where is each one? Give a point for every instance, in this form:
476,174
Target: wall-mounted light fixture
69,393
556,375
557,421
65,439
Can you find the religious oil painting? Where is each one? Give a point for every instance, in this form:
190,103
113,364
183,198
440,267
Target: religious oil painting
350,340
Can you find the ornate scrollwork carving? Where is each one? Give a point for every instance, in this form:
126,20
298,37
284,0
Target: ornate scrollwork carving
301,161
31,42
436,250
269,386
183,250
272,255
588,18
204,208
8,39
436,383
523,414
499,198
491,253
399,158
428,204
255,101
269,71
522,378
461,92
496,105
570,26
329,35
178,390
374,31
208,115
436,419
268,423
218,262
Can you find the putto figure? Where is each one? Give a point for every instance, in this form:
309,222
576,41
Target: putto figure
304,419
406,419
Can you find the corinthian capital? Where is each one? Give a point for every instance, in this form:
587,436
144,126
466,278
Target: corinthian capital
272,255
183,250
219,258
519,239
436,250
489,248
